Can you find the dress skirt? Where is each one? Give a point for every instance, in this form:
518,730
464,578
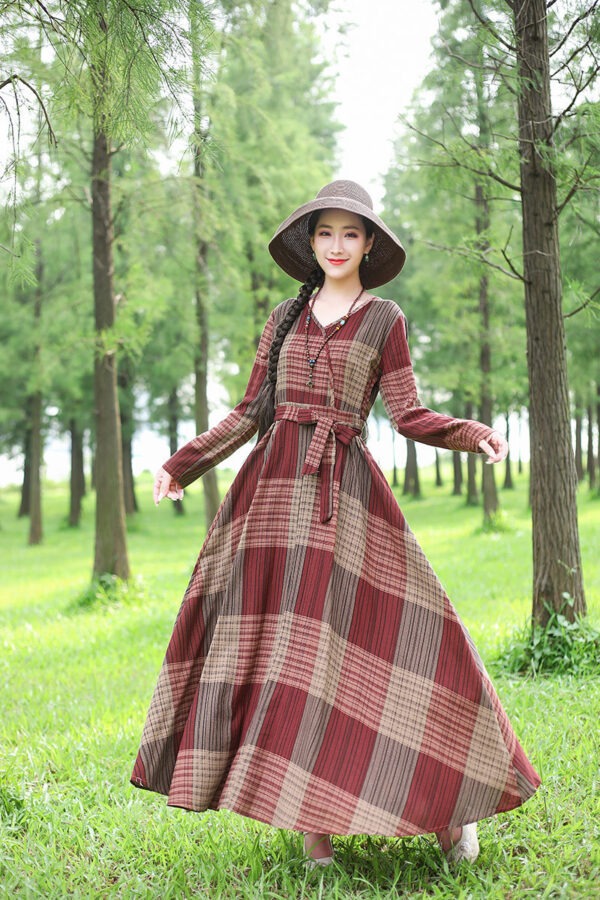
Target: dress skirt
318,677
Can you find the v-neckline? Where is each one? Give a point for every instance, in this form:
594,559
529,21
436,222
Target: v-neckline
334,321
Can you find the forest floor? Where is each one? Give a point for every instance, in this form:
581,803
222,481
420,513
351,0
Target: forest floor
75,684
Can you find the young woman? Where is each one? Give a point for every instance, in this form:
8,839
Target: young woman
318,677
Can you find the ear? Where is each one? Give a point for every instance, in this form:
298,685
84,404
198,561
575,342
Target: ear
312,241
369,243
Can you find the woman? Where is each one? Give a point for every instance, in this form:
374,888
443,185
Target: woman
318,677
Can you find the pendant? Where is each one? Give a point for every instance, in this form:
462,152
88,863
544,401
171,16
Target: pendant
309,383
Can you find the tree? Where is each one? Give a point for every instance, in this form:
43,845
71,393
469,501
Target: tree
556,554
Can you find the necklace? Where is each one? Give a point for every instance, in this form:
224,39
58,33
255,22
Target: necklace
312,360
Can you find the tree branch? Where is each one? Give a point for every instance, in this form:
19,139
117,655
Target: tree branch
11,80
477,257
579,89
488,25
583,305
487,172
574,24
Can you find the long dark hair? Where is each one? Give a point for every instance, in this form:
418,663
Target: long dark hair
267,411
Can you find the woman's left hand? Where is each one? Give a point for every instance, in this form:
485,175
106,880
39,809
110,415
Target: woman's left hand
496,447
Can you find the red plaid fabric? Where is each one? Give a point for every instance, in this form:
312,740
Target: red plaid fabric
318,677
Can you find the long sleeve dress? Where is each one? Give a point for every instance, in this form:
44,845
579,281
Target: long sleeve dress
318,677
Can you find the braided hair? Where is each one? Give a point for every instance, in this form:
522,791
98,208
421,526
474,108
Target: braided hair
267,411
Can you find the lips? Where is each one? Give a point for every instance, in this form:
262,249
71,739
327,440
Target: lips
337,262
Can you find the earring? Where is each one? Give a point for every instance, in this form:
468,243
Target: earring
314,255
366,258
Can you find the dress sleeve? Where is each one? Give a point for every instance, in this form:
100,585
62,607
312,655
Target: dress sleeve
205,451
409,418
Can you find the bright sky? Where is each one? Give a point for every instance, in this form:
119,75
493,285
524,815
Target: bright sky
386,57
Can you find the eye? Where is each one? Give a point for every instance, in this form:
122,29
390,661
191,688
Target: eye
324,232
352,234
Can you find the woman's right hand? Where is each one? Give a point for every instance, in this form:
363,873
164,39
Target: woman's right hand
166,486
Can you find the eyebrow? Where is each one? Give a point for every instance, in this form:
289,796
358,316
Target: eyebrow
325,225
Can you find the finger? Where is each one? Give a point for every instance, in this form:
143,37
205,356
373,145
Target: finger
161,485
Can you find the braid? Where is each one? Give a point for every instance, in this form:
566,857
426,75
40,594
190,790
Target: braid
267,411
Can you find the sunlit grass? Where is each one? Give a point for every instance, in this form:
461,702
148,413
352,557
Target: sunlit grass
75,685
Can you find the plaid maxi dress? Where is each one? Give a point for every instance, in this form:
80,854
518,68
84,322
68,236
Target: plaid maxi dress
318,677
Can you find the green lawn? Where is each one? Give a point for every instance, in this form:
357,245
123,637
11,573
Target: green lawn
75,686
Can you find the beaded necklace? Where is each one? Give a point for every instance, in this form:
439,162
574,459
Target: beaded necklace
312,360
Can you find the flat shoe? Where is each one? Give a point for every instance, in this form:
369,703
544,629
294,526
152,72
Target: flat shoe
467,847
313,861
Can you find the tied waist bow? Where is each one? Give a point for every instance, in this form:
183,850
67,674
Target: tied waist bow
332,425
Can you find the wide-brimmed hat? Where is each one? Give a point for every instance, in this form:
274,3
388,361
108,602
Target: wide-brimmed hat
290,245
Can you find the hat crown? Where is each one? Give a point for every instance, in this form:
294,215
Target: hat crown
345,190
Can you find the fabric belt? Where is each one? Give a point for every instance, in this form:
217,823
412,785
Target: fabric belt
332,425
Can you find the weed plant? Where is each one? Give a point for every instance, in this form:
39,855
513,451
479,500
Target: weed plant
75,683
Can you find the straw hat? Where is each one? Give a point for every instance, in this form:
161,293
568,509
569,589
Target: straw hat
290,245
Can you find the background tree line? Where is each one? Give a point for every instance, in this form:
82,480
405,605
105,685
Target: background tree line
182,133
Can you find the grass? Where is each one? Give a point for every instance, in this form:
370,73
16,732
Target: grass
75,682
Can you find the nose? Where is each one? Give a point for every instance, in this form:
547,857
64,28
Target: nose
337,243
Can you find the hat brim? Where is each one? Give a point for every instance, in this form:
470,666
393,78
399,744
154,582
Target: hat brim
291,249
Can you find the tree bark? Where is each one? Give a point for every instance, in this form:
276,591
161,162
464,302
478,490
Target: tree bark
579,445
125,378
111,541
482,225
412,484
209,481
591,462
556,554
457,474
35,507
394,464
438,470
508,479
173,427
77,476
472,490
25,504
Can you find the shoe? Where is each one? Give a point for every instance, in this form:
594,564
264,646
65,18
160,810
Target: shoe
467,846
322,842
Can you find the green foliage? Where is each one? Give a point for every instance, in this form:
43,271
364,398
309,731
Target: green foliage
109,591
13,810
560,647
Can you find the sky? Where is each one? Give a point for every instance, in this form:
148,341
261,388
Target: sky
386,56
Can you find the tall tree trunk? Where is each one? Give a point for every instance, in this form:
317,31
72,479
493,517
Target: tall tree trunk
25,503
438,470
520,460
591,462
457,474
508,479
209,481
412,484
35,508
111,540
472,490
173,426
598,432
394,464
482,225
578,444
556,554
77,476
125,379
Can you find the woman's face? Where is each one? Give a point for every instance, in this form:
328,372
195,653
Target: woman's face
340,241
